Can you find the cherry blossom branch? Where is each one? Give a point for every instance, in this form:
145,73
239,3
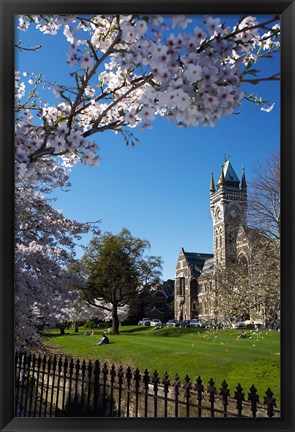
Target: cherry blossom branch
257,80
112,105
89,76
276,18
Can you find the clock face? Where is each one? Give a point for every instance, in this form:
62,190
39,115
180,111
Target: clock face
233,212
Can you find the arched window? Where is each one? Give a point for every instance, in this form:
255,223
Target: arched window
243,261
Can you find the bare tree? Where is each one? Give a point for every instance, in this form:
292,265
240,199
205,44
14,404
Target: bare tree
264,198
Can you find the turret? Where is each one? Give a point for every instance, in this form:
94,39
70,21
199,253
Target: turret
243,182
212,186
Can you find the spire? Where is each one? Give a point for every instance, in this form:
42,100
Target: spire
212,186
222,179
243,182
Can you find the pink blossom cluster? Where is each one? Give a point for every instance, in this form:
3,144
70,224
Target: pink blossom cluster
134,68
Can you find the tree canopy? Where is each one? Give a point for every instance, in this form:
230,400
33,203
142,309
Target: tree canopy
117,269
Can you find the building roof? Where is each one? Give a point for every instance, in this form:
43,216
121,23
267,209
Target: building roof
208,267
196,261
230,178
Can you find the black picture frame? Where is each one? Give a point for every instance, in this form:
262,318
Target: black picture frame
287,11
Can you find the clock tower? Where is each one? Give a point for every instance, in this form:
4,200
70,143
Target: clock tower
228,204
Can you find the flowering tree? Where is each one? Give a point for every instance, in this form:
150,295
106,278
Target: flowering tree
124,71
45,247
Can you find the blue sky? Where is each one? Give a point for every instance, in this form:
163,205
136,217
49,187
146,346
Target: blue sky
159,190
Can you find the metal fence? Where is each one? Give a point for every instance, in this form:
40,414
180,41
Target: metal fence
62,387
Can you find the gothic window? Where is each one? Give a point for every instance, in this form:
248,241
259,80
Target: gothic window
181,286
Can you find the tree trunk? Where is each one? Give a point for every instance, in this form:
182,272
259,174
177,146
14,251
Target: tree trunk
115,320
62,330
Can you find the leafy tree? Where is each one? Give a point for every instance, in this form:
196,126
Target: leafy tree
117,270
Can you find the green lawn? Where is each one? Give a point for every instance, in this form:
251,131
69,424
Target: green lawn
196,352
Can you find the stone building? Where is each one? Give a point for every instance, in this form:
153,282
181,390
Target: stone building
195,281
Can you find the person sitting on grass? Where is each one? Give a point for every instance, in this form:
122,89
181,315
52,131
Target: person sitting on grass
242,335
104,340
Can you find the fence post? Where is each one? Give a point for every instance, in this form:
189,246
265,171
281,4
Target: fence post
89,370
176,386
58,385
42,384
224,392
155,381
37,383
71,369
77,373
146,380
136,377
96,372
17,379
166,383
47,385
239,396
270,402
254,398
65,369
104,378
83,371
113,376
128,377
200,390
212,391
32,385
27,382
120,380
187,387
54,363
22,376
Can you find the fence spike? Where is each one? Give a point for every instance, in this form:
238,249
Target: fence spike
105,369
146,378
155,378
83,368
240,397
137,378
270,402
166,381
224,392
176,383
121,373
211,390
254,398
113,373
128,375
187,382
